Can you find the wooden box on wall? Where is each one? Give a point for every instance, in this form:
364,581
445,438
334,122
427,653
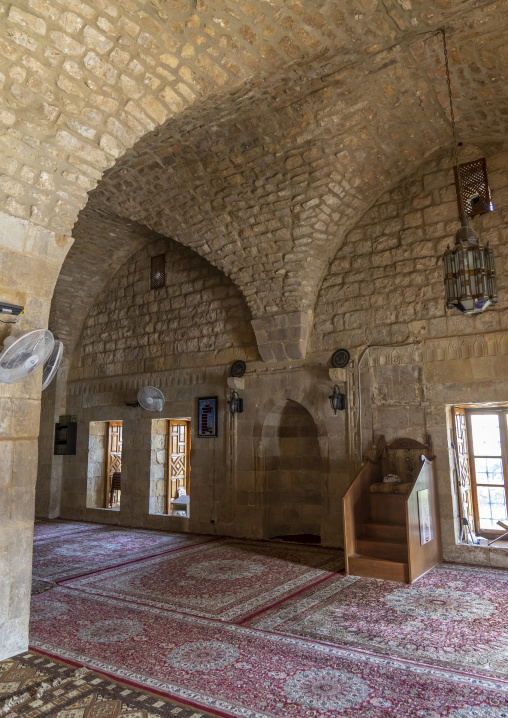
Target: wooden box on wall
66,431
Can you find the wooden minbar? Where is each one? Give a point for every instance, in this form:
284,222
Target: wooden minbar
392,530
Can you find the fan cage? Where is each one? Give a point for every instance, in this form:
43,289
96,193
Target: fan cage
25,355
473,193
158,272
151,398
52,364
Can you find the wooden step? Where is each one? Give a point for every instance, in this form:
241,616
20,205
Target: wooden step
388,508
377,548
369,567
387,532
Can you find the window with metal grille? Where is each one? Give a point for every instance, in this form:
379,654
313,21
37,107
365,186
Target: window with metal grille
158,272
473,195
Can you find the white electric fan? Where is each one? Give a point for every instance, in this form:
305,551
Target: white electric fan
51,364
23,355
151,398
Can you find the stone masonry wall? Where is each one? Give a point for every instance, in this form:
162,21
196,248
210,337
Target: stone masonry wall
199,318
83,81
159,467
385,287
386,283
96,474
248,131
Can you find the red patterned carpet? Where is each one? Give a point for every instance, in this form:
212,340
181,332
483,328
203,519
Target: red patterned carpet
56,529
241,671
294,639
454,616
229,580
86,551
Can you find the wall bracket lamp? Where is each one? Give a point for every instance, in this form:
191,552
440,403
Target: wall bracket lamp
337,400
235,404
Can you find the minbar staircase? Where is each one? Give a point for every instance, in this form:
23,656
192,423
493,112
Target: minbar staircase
383,537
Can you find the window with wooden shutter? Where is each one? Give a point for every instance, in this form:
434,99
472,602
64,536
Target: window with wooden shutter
114,462
179,459
462,466
487,431
481,445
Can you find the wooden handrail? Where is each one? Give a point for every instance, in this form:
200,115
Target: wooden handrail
356,505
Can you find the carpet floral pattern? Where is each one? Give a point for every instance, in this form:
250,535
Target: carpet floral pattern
227,579
454,616
85,552
59,690
54,529
239,671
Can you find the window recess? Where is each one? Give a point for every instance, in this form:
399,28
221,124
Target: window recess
481,440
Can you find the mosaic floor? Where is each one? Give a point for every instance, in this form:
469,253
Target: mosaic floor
258,629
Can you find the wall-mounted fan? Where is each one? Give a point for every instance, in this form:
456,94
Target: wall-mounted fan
149,398
51,364
23,355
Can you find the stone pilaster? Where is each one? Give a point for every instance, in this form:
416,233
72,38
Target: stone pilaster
31,260
282,337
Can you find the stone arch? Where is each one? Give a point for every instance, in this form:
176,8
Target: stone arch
198,318
293,472
297,396
155,71
388,274
67,119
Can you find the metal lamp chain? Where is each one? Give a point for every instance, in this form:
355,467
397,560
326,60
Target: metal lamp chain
452,114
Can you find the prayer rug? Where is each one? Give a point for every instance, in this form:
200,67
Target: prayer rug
84,553
62,691
454,616
242,672
51,528
23,676
228,579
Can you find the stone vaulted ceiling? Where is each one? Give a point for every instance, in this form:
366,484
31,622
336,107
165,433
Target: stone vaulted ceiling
264,174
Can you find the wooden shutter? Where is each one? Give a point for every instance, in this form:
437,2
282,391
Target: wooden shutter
462,466
179,451
114,453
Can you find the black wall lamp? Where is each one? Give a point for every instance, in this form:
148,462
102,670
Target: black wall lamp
337,400
235,404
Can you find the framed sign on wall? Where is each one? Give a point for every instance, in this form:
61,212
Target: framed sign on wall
207,416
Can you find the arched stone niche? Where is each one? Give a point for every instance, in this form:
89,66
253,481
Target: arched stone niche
292,472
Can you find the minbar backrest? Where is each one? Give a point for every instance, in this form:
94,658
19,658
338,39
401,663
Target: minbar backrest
403,457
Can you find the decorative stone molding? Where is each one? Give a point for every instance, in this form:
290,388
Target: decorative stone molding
283,336
389,356
466,347
442,349
126,383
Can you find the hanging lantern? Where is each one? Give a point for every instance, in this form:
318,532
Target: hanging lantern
469,272
468,268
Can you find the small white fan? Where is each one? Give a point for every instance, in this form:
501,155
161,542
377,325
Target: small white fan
51,364
151,398
25,354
